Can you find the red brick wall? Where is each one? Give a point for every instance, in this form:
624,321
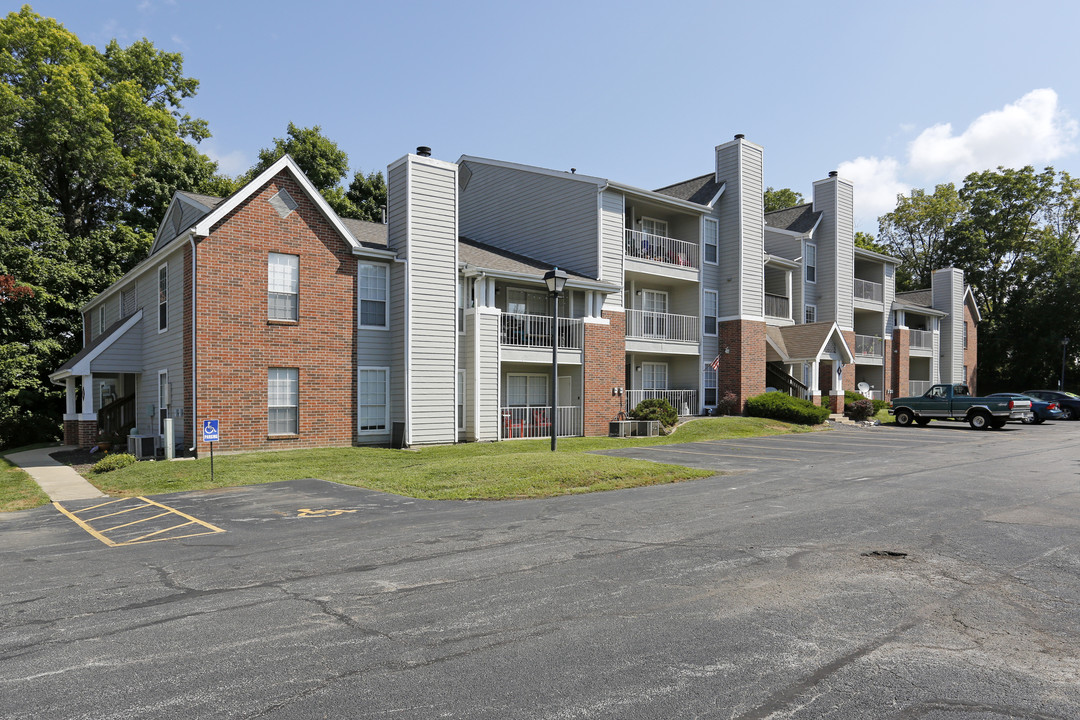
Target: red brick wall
849,368
742,368
901,357
236,344
81,433
971,352
605,368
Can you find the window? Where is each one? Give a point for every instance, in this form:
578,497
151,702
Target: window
163,298
709,382
710,312
283,286
810,314
372,287
651,226
282,392
527,391
372,389
463,301
712,241
810,262
965,340
461,399
102,318
654,376
526,302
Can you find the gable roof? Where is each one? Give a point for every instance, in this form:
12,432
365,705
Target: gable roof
498,262
368,234
80,363
701,190
800,219
916,297
807,341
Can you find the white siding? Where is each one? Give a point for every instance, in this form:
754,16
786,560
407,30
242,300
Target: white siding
487,377
612,223
947,292
162,351
740,211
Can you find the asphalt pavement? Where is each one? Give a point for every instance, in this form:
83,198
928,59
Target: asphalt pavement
879,572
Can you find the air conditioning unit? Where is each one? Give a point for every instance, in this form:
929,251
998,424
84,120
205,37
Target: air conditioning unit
143,446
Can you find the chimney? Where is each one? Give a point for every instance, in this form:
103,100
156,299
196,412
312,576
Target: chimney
833,173
423,151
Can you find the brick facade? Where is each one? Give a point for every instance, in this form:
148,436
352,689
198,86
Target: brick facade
82,433
604,370
237,344
971,352
900,359
742,359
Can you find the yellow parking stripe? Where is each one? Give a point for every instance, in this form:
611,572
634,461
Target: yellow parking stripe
118,512
136,522
86,524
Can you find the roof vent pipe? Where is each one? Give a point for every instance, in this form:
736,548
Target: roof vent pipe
423,151
740,136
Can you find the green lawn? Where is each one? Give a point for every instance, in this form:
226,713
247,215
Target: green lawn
491,471
18,491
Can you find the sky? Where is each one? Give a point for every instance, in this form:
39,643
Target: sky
894,96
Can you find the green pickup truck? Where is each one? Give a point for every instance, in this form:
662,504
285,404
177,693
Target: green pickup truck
954,402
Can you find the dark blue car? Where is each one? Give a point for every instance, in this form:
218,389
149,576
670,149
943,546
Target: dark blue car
1041,410
1068,402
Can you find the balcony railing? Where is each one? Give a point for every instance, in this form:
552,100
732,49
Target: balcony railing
923,339
869,346
535,331
533,422
643,324
866,290
660,249
777,306
675,397
918,387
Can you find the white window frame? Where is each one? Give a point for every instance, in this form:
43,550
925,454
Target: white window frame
705,235
461,400
709,375
807,309
294,282
163,297
528,376
164,392
651,365
664,223
385,429
296,407
462,302
807,266
709,328
101,319
360,299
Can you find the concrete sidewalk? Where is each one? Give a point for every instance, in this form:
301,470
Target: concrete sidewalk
58,481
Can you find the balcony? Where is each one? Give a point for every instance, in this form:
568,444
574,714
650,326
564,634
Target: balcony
921,339
662,250
869,346
646,325
534,331
777,306
866,290
532,422
676,398
918,387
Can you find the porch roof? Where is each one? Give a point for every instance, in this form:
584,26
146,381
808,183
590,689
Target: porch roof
80,364
807,341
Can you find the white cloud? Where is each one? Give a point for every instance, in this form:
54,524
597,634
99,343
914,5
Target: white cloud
1034,130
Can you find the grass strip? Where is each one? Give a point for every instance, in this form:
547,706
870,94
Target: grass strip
18,491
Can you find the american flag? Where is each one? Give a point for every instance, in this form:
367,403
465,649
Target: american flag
715,364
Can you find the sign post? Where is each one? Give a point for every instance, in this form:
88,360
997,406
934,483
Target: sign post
210,435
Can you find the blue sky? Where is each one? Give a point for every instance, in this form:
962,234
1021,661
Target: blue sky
894,95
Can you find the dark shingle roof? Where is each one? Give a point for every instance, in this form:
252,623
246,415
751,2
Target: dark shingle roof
366,233
798,219
700,190
922,298
208,200
489,257
93,345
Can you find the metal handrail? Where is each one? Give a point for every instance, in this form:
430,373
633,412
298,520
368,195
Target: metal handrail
657,248
650,325
521,330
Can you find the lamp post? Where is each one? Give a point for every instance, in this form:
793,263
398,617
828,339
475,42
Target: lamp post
1064,345
556,281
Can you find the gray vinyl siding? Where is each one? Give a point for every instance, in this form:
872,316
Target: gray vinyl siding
467,362
545,217
740,275
396,203
162,351
889,295
432,253
825,238
947,293
124,355
487,377
845,254
612,219
397,335
753,245
730,231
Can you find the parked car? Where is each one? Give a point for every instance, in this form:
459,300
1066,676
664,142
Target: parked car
1041,410
954,402
1068,402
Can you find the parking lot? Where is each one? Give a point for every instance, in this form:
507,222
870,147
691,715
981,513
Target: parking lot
887,572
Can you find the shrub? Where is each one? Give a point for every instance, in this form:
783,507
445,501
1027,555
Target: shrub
655,409
851,396
861,409
880,405
113,462
781,406
727,405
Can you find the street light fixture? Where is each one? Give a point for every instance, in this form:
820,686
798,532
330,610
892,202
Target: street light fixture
556,281
1064,345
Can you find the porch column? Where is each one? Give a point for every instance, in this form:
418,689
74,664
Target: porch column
88,395
72,396
790,298
836,395
815,382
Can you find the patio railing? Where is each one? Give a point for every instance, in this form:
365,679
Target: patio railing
533,422
675,397
657,248
535,331
923,339
662,326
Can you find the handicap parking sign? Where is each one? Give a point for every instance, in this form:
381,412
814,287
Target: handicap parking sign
210,431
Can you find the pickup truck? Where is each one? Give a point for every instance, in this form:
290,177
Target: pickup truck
954,402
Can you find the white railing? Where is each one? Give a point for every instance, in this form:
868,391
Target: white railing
866,290
662,326
532,422
777,306
535,331
675,398
918,387
923,339
657,248
869,346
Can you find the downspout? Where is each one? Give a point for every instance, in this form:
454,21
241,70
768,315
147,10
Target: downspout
194,348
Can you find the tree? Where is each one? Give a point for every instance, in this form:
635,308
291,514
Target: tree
781,199
916,230
367,193
325,164
866,242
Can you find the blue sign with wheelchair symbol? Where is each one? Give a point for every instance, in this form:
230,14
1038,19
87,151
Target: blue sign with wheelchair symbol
210,431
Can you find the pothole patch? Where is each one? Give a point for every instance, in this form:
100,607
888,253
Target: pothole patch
884,554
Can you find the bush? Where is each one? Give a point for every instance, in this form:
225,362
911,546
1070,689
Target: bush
851,396
727,405
880,405
861,409
781,406
113,462
655,409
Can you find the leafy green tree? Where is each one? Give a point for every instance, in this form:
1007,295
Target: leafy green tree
916,231
781,199
367,193
866,242
325,164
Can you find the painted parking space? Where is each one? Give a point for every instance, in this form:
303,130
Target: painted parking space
136,521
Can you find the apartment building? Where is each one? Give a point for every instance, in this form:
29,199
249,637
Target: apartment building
296,328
